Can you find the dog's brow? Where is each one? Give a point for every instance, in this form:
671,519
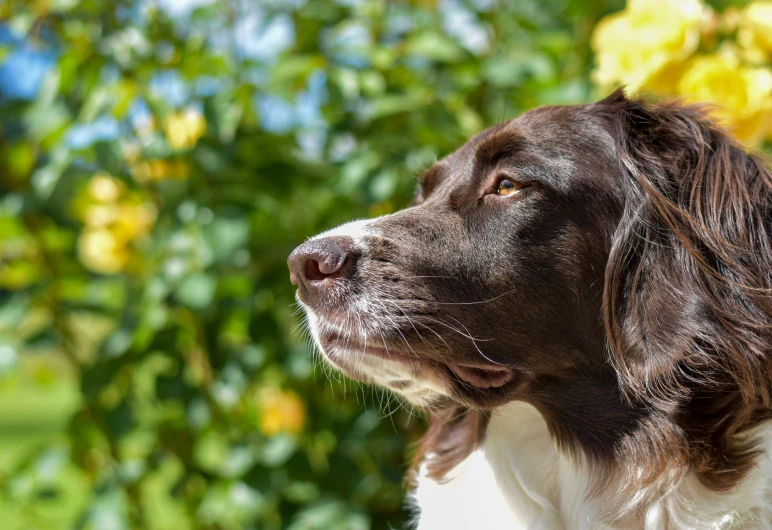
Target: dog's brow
502,144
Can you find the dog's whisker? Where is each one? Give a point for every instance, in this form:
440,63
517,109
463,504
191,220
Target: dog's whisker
427,277
466,335
396,328
410,321
477,302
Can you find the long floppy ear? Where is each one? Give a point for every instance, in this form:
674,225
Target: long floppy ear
688,287
454,432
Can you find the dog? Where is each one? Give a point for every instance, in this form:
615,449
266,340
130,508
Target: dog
581,301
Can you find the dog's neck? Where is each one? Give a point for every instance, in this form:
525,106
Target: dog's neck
586,413
521,476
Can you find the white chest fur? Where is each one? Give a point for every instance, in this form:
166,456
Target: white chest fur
519,480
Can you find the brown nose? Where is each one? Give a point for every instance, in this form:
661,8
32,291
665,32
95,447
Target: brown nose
316,264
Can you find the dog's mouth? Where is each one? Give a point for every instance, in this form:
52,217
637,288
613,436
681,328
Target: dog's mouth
478,375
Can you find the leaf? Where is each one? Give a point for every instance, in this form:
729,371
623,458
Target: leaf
356,169
435,46
394,104
120,420
98,375
196,291
171,387
226,234
278,450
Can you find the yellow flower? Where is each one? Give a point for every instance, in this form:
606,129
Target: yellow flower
133,220
754,33
185,128
100,251
742,94
643,46
159,169
281,411
114,219
104,188
100,215
109,206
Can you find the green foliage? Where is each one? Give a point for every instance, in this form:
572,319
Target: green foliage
148,266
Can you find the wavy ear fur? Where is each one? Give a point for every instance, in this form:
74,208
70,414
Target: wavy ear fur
688,286
454,432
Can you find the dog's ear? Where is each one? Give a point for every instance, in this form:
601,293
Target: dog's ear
688,286
453,433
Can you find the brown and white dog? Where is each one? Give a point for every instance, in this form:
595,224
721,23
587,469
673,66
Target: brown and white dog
581,298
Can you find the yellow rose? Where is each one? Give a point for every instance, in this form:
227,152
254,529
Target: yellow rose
100,251
742,94
184,129
643,46
281,411
754,32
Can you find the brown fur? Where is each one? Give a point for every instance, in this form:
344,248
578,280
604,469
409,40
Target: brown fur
625,291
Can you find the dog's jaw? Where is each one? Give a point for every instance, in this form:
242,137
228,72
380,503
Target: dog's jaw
417,382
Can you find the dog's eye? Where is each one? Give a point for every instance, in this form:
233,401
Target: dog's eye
508,187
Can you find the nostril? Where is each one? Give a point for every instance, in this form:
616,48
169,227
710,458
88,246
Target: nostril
318,260
313,272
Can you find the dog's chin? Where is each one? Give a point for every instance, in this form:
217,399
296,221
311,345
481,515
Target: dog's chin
419,381
424,382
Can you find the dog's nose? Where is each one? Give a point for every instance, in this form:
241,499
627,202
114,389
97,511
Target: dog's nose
316,264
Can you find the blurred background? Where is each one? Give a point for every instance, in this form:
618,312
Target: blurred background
159,159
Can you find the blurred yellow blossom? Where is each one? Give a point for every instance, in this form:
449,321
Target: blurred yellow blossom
184,128
100,214
104,188
133,220
160,169
643,45
100,251
754,33
281,411
729,20
114,219
742,94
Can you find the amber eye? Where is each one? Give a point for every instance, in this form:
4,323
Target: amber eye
508,187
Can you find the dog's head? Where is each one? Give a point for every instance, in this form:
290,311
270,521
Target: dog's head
545,240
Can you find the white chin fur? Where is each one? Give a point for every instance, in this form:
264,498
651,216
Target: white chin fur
418,385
